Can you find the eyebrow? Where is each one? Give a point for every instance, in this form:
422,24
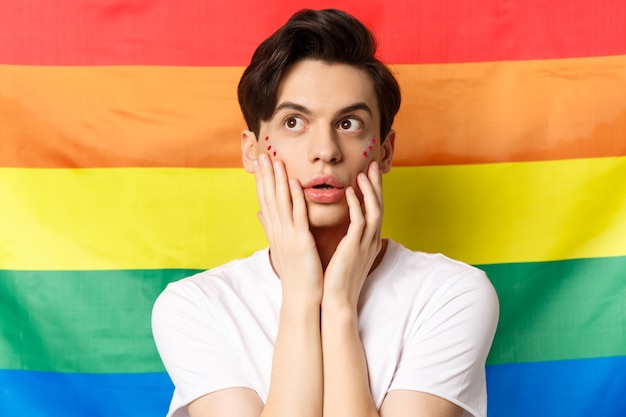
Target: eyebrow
354,107
289,105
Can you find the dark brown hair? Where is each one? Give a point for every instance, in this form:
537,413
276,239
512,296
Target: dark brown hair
331,36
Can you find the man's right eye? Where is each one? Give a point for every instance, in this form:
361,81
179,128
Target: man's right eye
294,123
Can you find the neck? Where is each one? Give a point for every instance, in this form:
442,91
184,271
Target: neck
327,239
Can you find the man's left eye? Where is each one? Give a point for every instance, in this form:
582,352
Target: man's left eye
350,124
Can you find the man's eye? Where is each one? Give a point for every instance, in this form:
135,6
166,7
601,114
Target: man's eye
294,123
350,125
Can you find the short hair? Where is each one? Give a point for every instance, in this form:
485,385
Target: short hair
331,36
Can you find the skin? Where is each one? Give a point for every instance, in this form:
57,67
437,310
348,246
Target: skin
322,251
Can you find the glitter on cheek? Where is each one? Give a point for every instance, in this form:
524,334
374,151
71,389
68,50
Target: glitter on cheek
270,147
369,147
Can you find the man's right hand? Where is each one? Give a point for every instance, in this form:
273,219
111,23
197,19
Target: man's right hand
283,214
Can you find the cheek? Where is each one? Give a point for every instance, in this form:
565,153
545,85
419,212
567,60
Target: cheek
269,147
368,149
286,155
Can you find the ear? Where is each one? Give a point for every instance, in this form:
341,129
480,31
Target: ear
386,152
248,149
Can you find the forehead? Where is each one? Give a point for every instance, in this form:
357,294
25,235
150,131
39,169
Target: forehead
327,88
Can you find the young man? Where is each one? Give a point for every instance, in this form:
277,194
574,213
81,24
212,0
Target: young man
331,320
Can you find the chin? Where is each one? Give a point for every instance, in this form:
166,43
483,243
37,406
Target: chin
329,216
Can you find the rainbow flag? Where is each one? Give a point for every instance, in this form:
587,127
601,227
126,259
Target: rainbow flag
120,172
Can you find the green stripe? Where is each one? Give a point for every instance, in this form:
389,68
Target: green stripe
80,321
558,310
99,321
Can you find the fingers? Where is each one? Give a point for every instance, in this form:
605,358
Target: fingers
300,216
376,179
357,251
366,217
371,189
260,176
283,214
281,200
283,194
272,190
357,220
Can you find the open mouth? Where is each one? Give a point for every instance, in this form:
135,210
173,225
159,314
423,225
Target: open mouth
323,187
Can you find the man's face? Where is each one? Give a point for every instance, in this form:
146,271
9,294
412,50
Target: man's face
325,128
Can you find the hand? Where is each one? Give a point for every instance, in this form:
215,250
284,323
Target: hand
357,251
284,218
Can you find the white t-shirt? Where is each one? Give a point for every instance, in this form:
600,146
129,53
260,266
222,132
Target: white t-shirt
426,323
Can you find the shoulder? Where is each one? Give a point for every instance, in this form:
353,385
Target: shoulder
226,282
430,287
198,322
232,274
430,271
446,314
437,317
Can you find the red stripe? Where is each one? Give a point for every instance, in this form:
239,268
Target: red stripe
212,33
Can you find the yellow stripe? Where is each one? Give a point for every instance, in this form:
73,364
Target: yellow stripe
180,116
512,212
125,218
196,218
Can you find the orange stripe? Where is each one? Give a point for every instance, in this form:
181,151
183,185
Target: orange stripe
512,111
119,116
189,117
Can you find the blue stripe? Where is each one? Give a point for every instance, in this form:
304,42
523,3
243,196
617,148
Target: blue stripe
574,388
50,394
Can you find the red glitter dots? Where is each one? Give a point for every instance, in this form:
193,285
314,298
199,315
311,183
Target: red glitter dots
270,147
369,147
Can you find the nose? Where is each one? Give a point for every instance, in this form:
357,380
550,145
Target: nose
324,147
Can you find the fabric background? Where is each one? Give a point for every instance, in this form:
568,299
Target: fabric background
120,172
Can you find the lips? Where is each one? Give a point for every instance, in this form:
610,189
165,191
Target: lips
324,189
